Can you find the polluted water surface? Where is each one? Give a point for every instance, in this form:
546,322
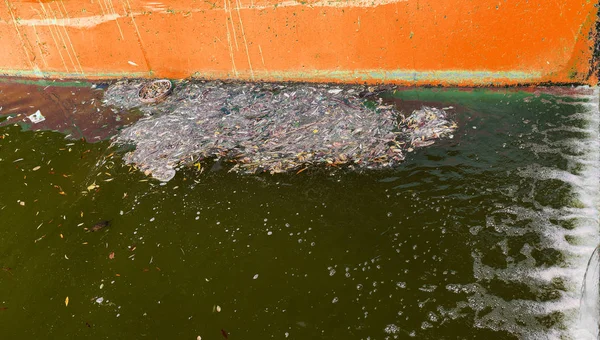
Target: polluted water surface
267,127
485,234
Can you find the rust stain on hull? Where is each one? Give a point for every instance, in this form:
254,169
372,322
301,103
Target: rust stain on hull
424,42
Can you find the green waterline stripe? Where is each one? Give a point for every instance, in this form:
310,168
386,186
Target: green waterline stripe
50,78
450,76
46,82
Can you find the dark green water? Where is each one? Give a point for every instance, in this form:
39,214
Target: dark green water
480,236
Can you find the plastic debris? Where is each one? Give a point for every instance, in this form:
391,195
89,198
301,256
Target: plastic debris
155,91
426,125
37,117
267,127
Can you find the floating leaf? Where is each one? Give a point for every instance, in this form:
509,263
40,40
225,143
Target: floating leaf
112,255
36,168
67,301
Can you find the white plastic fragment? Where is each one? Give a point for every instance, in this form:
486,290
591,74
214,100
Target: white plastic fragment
37,117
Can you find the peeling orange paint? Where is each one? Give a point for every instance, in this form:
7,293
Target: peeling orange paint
412,42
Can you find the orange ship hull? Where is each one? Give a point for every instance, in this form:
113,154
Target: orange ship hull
409,42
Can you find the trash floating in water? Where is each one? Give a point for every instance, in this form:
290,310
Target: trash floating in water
99,226
37,117
267,127
426,125
155,91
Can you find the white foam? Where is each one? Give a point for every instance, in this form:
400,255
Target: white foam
521,317
583,314
589,307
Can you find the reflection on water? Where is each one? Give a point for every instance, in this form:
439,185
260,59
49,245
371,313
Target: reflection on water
484,235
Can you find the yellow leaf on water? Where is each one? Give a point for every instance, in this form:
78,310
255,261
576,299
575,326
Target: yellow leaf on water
61,236
67,301
36,168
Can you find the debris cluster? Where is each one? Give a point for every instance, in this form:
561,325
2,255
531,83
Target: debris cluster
426,125
267,127
155,91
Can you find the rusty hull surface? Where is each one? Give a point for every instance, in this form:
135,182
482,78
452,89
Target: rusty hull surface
408,42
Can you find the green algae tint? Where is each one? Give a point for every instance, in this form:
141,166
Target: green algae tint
482,235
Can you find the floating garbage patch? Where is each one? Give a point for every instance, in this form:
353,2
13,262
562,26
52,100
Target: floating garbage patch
271,127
